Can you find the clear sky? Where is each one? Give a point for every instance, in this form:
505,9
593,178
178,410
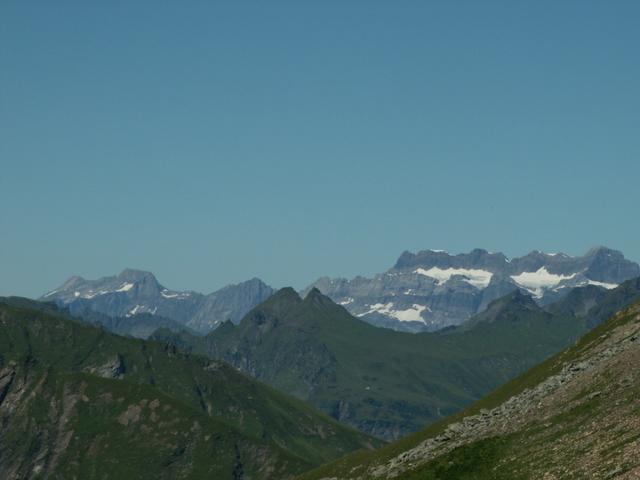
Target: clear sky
210,142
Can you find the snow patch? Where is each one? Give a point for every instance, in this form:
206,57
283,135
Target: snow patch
478,278
50,293
125,287
608,286
412,314
167,294
540,280
134,310
90,294
346,302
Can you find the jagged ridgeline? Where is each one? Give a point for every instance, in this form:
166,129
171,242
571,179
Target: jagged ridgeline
425,291
79,402
432,289
574,416
390,383
133,293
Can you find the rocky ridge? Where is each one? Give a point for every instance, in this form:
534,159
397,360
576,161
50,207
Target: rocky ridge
433,289
135,292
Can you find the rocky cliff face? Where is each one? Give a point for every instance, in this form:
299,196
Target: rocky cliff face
135,292
431,289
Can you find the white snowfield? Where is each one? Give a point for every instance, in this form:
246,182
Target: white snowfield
141,309
413,314
608,286
179,295
125,287
166,294
89,294
478,278
539,281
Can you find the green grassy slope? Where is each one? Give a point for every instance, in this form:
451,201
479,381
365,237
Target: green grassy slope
383,382
587,427
79,402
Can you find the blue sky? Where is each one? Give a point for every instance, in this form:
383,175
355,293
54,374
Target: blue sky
210,142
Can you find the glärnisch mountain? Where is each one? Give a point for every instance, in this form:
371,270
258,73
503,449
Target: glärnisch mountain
432,289
576,415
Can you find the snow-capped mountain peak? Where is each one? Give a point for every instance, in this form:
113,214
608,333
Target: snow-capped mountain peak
133,292
432,289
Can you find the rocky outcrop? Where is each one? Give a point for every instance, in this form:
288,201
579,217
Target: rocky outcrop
7,375
114,368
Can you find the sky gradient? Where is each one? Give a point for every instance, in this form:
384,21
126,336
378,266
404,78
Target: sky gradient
210,142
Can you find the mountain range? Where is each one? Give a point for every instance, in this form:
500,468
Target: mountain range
79,402
425,291
433,289
135,292
390,383
575,415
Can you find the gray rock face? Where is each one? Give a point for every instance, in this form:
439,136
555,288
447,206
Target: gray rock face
229,303
113,368
430,290
135,292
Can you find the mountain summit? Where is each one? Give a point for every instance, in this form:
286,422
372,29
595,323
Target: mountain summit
432,289
134,292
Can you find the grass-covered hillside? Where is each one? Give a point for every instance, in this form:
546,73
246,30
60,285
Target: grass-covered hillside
389,383
383,382
575,416
79,402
